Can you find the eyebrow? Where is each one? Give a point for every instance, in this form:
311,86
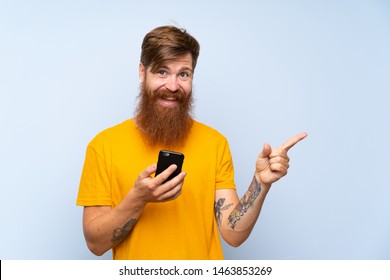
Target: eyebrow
185,68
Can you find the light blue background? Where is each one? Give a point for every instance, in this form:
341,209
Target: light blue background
267,71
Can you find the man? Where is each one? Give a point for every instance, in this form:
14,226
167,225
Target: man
129,210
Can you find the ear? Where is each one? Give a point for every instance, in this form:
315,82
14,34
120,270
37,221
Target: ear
142,73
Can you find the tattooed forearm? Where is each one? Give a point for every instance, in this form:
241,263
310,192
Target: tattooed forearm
245,203
218,208
120,233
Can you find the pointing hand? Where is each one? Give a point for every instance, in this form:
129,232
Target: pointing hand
272,164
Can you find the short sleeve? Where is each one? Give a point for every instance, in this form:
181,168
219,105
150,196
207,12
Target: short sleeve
225,168
94,189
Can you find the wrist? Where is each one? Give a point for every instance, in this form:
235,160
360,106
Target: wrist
135,200
263,185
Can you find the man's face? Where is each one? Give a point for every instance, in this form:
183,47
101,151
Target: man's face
175,76
165,105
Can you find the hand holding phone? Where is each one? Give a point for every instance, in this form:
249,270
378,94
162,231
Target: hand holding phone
166,159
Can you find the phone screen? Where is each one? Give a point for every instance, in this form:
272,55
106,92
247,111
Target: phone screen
166,159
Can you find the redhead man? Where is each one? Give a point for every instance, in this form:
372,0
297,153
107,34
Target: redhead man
135,213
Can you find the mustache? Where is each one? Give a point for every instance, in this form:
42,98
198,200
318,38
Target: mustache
178,95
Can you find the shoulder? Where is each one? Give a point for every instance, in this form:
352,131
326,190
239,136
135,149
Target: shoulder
206,136
202,128
114,133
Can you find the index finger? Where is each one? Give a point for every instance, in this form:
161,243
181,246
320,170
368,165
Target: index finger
166,174
147,172
293,140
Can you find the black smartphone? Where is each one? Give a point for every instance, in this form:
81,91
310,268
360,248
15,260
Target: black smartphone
166,159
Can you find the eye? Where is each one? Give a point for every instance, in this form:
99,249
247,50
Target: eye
162,72
184,75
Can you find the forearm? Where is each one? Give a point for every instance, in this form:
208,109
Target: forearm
104,230
105,227
240,221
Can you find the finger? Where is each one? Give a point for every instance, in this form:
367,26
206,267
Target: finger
293,140
279,152
172,188
279,165
177,180
172,193
279,159
266,151
148,172
159,179
280,168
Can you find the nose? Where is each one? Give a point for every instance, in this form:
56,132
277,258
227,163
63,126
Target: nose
172,84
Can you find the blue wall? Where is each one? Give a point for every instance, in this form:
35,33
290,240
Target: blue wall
267,71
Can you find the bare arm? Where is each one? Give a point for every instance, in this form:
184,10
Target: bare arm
237,217
104,226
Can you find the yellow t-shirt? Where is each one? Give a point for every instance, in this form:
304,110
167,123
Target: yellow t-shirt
184,228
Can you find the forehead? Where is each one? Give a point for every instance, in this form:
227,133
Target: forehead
180,62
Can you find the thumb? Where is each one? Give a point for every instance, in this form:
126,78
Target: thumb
266,151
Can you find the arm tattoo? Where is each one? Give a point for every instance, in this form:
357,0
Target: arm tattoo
120,233
218,208
245,203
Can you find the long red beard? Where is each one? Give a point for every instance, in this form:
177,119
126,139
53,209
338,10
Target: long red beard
168,127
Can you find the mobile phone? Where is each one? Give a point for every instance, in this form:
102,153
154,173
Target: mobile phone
166,159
